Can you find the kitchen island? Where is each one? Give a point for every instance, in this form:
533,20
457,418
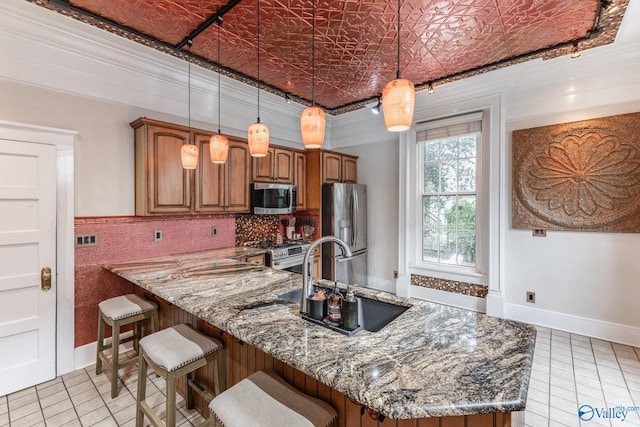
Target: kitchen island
432,362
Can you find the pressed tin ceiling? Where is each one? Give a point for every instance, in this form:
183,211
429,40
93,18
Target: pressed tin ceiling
355,41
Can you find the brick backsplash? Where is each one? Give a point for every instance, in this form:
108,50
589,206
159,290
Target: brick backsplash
124,238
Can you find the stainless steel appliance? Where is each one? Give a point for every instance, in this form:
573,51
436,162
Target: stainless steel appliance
284,256
344,215
273,199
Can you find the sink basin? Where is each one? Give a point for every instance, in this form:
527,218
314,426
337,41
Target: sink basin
373,315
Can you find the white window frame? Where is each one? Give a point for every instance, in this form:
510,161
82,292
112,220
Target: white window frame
418,261
487,270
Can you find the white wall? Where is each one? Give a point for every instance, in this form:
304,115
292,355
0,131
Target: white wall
55,71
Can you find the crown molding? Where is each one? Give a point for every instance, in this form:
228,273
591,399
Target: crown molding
47,49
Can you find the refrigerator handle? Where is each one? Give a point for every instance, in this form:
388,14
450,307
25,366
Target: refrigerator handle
340,260
354,229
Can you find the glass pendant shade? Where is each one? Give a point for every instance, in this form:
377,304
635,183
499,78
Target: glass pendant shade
398,103
258,139
189,156
218,148
312,124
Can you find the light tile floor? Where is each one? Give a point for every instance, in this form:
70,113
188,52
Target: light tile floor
82,398
568,371
572,372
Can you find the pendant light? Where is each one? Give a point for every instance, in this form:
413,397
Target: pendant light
398,98
218,144
258,133
312,119
189,152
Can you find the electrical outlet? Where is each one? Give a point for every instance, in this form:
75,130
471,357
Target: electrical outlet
82,240
395,274
214,231
157,235
539,232
531,297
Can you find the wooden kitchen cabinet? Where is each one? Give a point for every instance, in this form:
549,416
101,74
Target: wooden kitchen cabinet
277,166
349,169
163,187
338,167
322,167
222,187
300,179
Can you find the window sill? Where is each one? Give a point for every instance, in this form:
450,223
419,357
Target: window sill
461,274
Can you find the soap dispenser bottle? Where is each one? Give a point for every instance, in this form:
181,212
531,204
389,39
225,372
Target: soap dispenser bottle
350,311
334,308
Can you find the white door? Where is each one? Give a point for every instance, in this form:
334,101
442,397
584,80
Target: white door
27,245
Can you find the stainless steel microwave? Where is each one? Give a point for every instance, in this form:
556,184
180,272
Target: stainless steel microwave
273,199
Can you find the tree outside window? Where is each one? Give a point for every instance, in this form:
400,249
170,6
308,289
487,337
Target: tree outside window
449,207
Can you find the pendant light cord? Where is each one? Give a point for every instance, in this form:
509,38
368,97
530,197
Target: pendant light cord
313,54
258,61
189,43
219,79
398,73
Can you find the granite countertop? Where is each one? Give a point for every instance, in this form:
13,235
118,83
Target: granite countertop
432,361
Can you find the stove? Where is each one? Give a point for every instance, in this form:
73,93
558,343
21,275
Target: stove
283,256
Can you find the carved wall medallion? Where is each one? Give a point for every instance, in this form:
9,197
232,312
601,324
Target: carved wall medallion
578,176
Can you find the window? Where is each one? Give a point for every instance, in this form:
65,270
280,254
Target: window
447,189
449,200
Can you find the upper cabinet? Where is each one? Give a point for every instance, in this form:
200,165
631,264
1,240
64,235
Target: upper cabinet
222,187
349,169
338,167
300,178
276,166
163,187
324,167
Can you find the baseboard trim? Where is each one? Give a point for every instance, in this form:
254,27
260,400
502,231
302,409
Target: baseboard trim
608,331
449,298
86,355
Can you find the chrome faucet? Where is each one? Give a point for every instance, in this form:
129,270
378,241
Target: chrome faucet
306,273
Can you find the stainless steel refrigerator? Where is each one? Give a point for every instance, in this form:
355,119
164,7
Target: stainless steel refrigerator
344,215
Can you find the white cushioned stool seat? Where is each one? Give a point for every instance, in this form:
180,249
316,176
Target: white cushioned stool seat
117,312
123,306
175,352
177,346
266,400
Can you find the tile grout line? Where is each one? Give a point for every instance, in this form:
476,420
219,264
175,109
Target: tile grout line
111,413
572,371
72,403
595,362
624,378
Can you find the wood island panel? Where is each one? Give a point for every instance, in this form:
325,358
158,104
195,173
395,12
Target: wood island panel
243,360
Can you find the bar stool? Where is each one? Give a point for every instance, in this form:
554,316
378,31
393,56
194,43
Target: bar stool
265,400
172,353
118,312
